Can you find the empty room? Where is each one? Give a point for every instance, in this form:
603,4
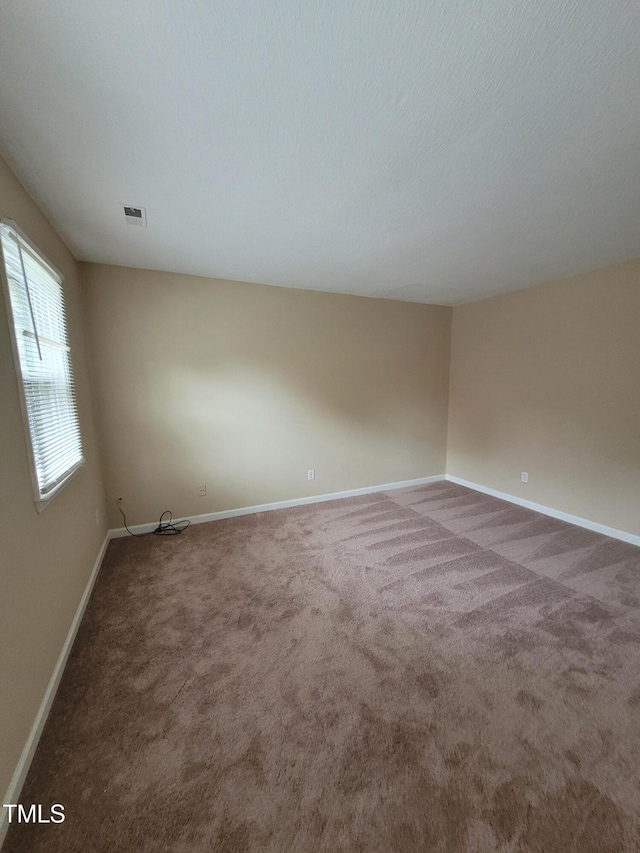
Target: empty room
320,434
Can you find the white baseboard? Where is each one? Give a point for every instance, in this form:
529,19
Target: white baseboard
20,774
249,510
613,532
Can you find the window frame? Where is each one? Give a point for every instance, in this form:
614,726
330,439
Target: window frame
41,502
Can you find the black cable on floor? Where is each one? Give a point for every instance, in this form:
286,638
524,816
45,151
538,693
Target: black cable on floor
164,528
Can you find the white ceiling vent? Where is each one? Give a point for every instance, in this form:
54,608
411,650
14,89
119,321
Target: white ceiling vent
135,215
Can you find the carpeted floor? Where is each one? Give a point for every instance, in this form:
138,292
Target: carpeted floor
428,669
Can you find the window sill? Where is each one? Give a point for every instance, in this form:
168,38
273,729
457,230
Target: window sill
43,503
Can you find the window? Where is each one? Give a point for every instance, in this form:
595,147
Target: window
35,305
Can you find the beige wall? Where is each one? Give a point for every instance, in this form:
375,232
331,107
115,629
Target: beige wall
244,387
45,559
547,380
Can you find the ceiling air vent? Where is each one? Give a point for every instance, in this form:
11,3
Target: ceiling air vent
135,216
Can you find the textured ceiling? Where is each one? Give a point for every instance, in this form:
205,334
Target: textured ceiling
428,151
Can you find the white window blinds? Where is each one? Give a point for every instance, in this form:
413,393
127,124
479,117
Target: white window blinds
44,363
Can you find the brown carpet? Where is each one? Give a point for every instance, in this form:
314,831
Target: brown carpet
421,670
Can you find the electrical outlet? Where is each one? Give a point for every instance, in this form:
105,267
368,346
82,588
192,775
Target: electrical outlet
524,477
97,518
311,474
202,491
